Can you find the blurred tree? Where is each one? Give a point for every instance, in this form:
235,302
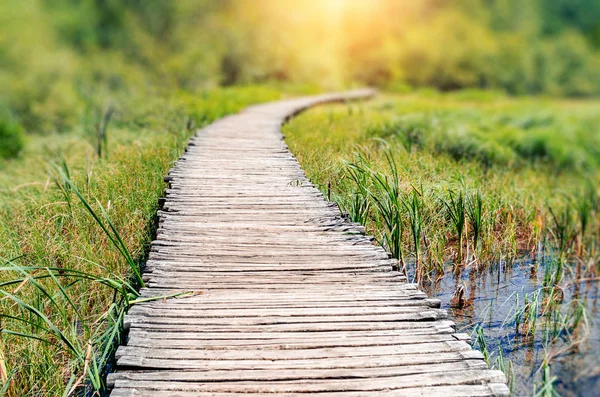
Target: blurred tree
581,15
58,57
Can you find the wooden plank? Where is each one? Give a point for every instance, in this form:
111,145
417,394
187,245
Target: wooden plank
200,312
266,375
469,377
488,390
313,364
292,354
244,336
149,363
286,342
252,305
291,327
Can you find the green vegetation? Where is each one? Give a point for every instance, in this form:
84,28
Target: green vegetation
11,139
63,61
99,97
467,187
457,189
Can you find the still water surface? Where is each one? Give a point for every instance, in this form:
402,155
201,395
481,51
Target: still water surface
490,297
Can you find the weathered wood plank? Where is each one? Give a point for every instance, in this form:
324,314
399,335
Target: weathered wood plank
466,377
295,327
293,354
298,374
488,390
314,364
245,336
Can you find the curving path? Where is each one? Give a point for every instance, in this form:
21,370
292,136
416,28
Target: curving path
292,297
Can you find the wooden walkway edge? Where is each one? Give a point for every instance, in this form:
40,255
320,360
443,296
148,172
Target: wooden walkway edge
293,298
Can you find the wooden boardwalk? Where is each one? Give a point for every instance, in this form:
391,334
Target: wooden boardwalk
292,297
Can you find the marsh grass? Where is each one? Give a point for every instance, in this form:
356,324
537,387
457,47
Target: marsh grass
97,129
102,219
384,192
545,388
413,205
481,343
455,210
506,366
86,343
359,206
461,212
475,215
539,319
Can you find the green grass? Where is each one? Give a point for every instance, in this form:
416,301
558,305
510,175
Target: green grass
481,195
75,228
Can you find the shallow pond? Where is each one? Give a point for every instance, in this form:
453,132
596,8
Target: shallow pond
490,298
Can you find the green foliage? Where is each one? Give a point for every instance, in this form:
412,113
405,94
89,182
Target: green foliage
475,215
11,139
495,178
60,57
545,388
481,343
386,199
513,137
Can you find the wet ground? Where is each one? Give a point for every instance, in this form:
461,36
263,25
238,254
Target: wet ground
489,300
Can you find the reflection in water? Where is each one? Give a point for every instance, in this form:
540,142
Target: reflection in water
489,298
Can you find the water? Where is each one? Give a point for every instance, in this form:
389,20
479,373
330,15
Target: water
490,297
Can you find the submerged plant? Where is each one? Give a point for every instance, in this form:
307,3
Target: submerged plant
525,316
506,366
546,386
481,343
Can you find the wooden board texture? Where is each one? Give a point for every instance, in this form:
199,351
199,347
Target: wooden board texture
290,297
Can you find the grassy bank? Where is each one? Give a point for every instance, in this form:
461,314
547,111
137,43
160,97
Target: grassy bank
64,281
521,171
477,194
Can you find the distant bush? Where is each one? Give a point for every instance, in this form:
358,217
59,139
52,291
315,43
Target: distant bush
11,139
510,137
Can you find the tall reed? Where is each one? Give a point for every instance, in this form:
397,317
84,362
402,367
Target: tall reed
413,204
48,303
455,208
360,203
474,210
104,222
